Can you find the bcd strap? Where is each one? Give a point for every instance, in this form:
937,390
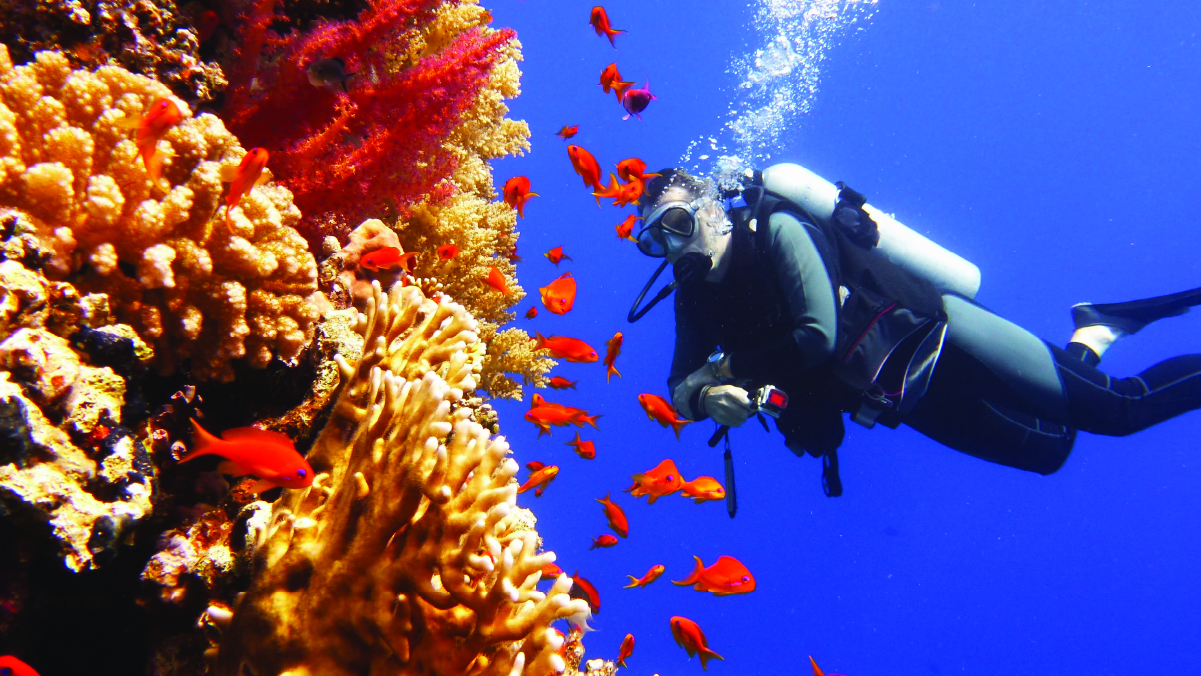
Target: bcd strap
831,483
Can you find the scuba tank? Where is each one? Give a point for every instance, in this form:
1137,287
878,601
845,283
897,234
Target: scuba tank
948,272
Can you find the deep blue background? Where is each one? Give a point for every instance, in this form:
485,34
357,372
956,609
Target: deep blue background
1054,144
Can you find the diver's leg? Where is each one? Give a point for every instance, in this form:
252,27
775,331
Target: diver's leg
1100,325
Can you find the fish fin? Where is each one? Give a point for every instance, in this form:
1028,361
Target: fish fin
203,441
264,177
256,434
694,576
259,485
677,425
591,420
229,173
707,655
633,582
817,671
128,122
651,499
626,116
231,467
154,163
611,372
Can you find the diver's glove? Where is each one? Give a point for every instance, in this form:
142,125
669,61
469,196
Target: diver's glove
687,395
727,404
850,217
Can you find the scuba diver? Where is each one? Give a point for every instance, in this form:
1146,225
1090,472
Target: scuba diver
791,281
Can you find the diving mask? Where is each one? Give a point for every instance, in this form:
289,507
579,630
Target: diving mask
677,218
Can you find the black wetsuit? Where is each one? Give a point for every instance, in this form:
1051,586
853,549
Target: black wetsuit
997,392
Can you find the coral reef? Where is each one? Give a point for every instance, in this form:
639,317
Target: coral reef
195,284
407,554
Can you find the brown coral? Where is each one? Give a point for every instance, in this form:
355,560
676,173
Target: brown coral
198,285
406,556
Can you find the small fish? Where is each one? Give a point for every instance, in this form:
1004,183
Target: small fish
551,570
517,192
690,637
513,257
269,456
544,414
817,671
636,100
651,575
726,576
599,20
540,479
496,280
389,257
447,252
615,515
242,178
586,166
534,465
610,81
588,590
633,169
621,193
567,132
584,449
604,541
611,355
664,479
152,126
206,24
532,312
570,349
555,255
625,229
627,649
559,295
661,411
329,73
11,666
561,383
703,488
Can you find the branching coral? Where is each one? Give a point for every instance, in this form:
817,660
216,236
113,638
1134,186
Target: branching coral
196,284
407,555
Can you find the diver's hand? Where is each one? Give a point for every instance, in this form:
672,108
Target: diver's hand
684,394
728,405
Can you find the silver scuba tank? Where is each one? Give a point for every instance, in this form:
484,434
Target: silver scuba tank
948,272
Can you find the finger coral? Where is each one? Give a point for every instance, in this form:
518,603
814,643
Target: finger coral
407,555
197,284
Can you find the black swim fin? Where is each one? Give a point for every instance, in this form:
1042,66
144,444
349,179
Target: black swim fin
1132,316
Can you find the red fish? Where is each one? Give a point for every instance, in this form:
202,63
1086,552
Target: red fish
555,255
567,132
703,488
534,465
651,575
571,349
389,257
540,479
544,413
517,193
690,637
589,591
611,355
636,100
532,312
586,166
621,193
561,383
244,177
496,280
627,649
513,257
726,576
661,411
625,229
269,456
605,540
584,449
664,479
206,23
615,515
599,20
152,126
447,252
11,666
559,295
817,671
551,570
632,168
610,80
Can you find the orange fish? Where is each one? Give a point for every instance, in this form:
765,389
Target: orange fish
651,575
586,166
567,132
11,666
614,350
664,479
555,255
534,465
661,411
633,169
152,126
571,349
544,413
206,23
584,449
269,456
616,517
551,570
540,479
627,649
559,295
599,20
561,383
588,590
517,193
621,193
513,257
531,313
447,252
496,280
244,177
610,80
605,540
726,576
625,229
703,488
690,637
389,257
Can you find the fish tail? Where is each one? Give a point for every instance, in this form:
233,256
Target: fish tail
633,582
677,425
612,372
817,671
203,441
539,340
591,420
706,655
694,576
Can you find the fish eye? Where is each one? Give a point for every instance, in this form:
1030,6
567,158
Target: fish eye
746,578
301,473
671,477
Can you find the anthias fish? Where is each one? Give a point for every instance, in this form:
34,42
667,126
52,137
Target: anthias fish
599,20
616,517
726,576
633,169
690,637
570,349
605,541
206,24
651,575
586,166
447,252
703,488
268,456
567,132
661,411
817,671
610,81
152,126
561,383
540,479
531,313
551,570
625,229
555,255
559,295
587,591
584,449
244,177
517,192
627,649
611,354
389,257
545,413
664,479
496,280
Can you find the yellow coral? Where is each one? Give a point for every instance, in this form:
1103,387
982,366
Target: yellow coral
407,555
194,283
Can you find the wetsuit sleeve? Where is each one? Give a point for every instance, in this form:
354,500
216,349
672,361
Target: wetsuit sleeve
693,346
795,253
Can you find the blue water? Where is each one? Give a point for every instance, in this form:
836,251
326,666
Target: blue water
1054,144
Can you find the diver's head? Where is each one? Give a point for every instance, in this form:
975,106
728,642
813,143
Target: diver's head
684,222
